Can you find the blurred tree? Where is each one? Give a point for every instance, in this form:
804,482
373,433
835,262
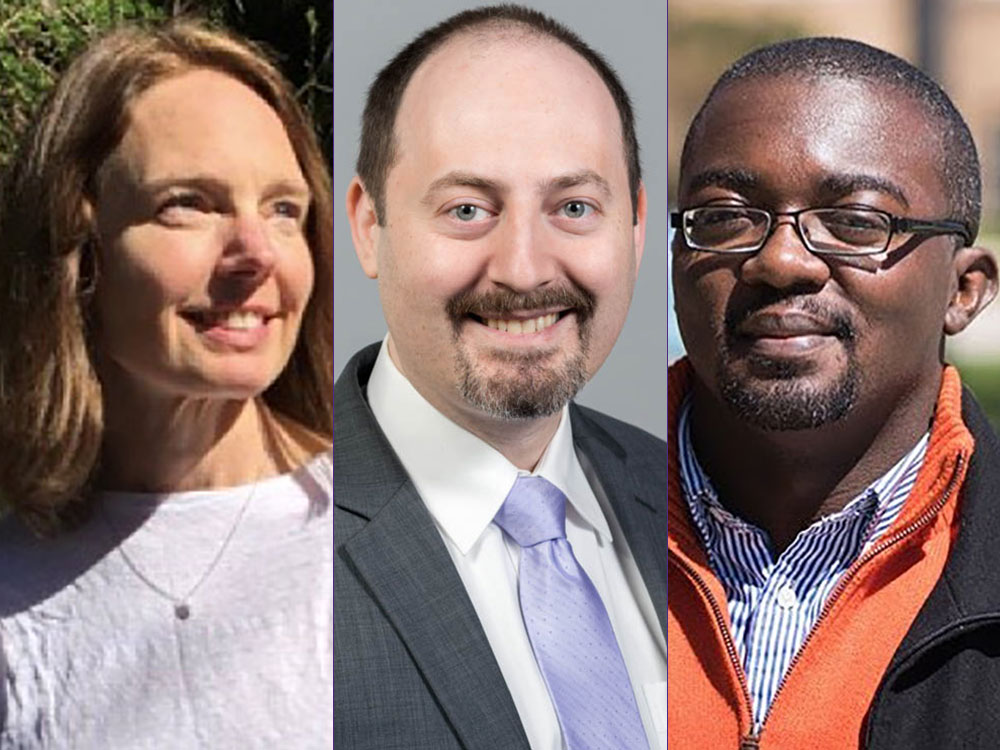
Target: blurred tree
38,38
299,33
982,376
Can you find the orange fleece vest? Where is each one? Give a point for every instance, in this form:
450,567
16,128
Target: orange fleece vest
830,684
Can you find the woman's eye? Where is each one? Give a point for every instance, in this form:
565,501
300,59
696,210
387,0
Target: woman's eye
468,212
185,202
576,209
289,210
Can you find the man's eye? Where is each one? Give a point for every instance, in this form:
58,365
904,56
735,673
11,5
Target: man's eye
722,216
468,212
576,209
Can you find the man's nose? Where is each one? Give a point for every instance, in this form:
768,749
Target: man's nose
521,257
784,261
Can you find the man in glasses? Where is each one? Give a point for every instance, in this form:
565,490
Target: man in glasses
832,489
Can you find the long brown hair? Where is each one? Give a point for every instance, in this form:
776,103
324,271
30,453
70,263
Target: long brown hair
51,416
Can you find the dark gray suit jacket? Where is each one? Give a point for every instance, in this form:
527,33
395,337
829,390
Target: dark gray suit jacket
413,669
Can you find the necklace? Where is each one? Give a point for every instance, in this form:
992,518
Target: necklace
182,604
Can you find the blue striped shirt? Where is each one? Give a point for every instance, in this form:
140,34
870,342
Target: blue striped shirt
775,602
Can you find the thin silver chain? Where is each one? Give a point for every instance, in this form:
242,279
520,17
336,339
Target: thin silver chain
182,605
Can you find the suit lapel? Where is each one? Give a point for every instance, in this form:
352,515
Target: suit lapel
641,513
401,559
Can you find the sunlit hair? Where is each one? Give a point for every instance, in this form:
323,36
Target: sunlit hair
51,416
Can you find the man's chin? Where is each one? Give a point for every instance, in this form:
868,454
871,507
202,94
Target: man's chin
526,387
825,362
787,399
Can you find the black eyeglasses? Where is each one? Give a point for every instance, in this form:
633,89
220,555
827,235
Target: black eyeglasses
824,231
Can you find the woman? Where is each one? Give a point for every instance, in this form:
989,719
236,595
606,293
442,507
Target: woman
165,406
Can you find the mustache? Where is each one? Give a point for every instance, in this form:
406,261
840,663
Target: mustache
496,303
739,311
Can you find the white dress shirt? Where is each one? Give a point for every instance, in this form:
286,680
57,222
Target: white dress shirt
463,482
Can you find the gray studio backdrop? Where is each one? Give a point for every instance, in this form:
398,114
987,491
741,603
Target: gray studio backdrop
632,35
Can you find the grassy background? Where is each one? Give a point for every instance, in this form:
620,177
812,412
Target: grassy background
983,378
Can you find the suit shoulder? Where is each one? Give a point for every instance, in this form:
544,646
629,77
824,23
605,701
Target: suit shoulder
635,441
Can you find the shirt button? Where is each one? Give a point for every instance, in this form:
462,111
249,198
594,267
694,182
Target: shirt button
787,598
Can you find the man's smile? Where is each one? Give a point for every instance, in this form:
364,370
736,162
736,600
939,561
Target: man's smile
549,331
523,325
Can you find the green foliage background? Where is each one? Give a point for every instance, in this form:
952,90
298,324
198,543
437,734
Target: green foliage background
38,38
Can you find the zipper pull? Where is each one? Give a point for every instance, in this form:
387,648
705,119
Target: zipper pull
750,742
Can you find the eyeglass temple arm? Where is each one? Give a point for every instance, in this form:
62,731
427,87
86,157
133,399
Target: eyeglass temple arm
946,226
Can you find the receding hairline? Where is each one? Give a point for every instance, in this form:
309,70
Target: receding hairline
496,32
376,156
502,31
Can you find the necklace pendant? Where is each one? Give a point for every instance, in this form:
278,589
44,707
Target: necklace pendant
182,610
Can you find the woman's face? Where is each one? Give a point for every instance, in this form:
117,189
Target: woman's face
204,269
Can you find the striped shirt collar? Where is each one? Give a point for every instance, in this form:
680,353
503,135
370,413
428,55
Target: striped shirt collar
703,500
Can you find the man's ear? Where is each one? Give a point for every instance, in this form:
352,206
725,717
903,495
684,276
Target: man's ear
639,228
976,271
364,226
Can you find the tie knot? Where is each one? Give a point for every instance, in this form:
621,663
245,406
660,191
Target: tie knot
534,512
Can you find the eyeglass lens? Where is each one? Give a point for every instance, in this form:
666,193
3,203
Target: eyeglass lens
733,229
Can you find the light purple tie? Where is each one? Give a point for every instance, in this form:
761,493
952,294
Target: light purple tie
567,624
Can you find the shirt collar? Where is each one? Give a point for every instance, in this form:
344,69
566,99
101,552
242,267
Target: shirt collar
878,504
462,480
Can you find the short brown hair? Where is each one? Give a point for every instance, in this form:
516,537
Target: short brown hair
52,426
378,143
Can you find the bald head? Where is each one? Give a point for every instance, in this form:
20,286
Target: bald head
510,24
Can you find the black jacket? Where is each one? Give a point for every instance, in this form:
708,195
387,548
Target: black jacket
942,688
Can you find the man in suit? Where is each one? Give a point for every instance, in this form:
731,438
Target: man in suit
499,204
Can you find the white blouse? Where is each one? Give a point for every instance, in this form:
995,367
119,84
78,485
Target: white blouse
97,658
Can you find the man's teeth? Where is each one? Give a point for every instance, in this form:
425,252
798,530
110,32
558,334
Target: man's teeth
532,325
